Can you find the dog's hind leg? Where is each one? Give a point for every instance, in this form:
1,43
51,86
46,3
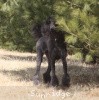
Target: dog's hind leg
46,75
51,45
54,79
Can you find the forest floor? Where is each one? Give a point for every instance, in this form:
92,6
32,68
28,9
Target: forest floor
17,70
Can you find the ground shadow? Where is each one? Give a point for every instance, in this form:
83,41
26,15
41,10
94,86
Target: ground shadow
21,75
78,74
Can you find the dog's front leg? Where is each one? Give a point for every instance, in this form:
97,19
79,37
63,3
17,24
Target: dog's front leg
36,77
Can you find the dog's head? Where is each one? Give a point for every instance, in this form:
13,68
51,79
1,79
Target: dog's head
51,22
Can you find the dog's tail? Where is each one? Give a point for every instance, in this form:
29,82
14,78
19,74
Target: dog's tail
36,32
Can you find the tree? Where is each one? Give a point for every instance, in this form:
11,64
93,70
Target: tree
80,18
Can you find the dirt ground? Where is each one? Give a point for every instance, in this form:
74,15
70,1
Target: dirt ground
17,70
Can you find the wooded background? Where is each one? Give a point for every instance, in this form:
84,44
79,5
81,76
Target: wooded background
78,17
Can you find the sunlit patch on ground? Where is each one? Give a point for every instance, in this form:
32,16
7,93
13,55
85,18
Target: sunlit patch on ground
17,70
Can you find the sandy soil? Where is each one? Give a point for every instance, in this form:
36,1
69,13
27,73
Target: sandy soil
17,70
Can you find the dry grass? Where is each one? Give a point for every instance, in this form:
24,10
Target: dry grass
17,70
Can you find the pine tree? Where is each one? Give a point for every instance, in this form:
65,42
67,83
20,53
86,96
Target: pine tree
80,18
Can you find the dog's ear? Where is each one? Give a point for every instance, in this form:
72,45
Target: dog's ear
49,19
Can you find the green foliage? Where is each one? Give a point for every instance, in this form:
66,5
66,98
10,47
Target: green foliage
77,56
88,58
78,17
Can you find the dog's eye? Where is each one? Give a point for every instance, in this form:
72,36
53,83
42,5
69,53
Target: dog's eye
48,22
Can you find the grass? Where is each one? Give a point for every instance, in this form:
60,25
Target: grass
17,70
